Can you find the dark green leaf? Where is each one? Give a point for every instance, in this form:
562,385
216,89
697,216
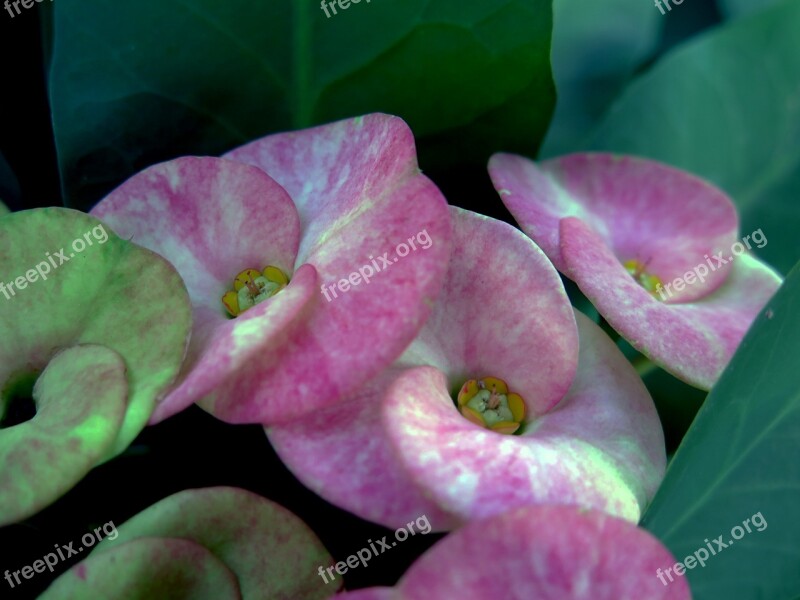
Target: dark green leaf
135,82
726,106
739,8
742,457
596,48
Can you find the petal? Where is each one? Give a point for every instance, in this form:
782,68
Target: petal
271,551
232,353
602,447
112,293
640,208
693,341
210,217
333,172
361,196
342,454
148,568
81,399
502,304
547,553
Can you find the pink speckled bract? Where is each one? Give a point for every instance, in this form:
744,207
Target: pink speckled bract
591,213
319,204
235,536
399,448
541,552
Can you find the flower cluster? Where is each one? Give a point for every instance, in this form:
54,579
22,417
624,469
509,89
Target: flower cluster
460,384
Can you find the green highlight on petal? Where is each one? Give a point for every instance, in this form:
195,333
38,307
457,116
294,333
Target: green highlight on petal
80,398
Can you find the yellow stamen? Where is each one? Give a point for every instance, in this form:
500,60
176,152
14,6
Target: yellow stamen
487,403
649,282
251,287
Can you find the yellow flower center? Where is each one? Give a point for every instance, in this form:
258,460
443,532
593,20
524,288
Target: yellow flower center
649,282
251,287
487,402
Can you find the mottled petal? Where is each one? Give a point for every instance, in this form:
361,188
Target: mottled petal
112,293
546,553
145,569
501,305
272,552
602,447
693,341
81,399
641,209
360,195
343,454
212,218
227,352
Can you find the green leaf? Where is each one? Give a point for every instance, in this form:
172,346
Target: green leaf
726,106
742,457
596,48
136,82
733,9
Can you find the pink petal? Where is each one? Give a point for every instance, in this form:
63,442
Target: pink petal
546,553
639,208
360,194
693,341
602,447
502,304
226,352
342,454
213,218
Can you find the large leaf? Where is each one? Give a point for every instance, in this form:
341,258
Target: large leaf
726,106
138,81
742,457
596,47
738,8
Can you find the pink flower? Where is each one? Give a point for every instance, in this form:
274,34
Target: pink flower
401,447
541,552
624,229
319,207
